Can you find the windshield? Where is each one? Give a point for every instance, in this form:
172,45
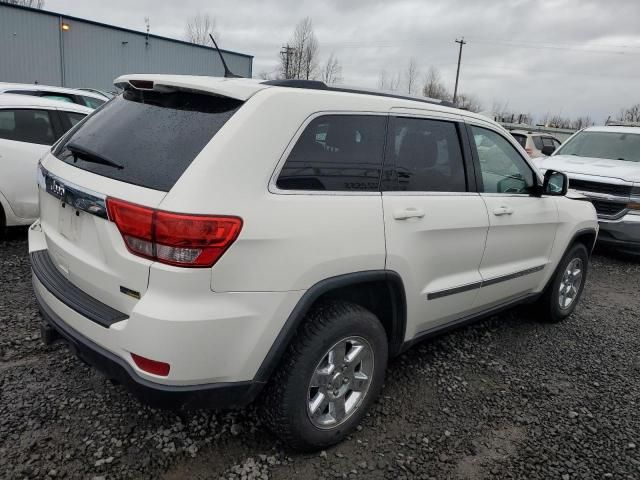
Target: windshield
610,145
146,138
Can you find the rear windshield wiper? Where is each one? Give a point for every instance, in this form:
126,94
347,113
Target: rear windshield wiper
89,156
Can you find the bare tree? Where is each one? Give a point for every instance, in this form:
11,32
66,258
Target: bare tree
332,70
582,122
300,57
631,114
199,27
411,76
388,82
468,102
433,86
25,3
558,121
310,54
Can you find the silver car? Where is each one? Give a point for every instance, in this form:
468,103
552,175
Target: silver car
603,163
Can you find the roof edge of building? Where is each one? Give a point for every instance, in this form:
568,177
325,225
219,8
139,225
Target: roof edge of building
122,29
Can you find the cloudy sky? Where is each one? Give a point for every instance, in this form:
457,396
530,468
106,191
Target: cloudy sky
568,57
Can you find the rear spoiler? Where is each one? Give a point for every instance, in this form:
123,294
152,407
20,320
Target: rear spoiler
237,88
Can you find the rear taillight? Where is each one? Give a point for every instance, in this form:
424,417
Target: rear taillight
173,238
528,150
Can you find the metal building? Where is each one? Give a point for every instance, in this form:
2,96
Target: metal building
55,49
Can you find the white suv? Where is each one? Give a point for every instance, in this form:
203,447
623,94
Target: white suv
203,240
28,128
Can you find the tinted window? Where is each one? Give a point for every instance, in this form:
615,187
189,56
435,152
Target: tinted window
426,155
547,142
22,92
26,125
73,117
337,153
153,136
611,145
522,139
537,141
503,169
92,102
58,97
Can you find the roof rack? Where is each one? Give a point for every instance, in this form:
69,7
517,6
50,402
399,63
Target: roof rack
318,85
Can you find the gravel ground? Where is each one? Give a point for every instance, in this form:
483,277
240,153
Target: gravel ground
505,398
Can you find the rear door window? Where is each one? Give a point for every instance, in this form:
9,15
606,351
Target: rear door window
337,153
27,125
152,137
425,155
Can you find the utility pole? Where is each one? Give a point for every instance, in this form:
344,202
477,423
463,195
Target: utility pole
286,55
455,90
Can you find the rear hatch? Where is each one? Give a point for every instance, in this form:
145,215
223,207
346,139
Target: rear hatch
134,148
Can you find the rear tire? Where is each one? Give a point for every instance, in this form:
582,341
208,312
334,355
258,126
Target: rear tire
331,374
563,293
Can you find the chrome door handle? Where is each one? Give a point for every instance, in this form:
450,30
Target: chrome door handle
408,213
503,210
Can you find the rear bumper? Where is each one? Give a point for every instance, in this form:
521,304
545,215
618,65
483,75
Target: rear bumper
218,395
623,233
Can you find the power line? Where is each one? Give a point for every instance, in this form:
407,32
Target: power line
592,48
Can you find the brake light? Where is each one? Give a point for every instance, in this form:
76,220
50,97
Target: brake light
173,238
528,150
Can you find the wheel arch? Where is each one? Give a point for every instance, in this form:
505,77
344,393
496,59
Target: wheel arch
380,291
587,236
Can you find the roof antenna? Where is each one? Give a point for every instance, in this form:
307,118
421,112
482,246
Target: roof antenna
227,73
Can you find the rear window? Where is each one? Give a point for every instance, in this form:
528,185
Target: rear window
152,137
522,139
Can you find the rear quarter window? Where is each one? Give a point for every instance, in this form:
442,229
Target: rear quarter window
337,153
153,136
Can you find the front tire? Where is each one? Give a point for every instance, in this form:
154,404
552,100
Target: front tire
331,374
564,292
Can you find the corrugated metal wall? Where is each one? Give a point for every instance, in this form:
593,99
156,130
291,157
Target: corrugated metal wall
93,55
29,46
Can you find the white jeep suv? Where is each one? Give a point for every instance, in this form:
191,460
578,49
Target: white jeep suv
206,240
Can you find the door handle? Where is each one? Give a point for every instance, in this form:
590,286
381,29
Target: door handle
503,210
408,213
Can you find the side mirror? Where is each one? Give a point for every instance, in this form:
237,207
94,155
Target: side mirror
555,183
548,150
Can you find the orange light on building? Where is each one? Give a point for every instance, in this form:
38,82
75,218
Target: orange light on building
66,27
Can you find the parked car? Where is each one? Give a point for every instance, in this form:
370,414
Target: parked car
28,128
203,240
536,144
603,163
80,97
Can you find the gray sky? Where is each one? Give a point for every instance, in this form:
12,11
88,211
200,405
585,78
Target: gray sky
557,56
